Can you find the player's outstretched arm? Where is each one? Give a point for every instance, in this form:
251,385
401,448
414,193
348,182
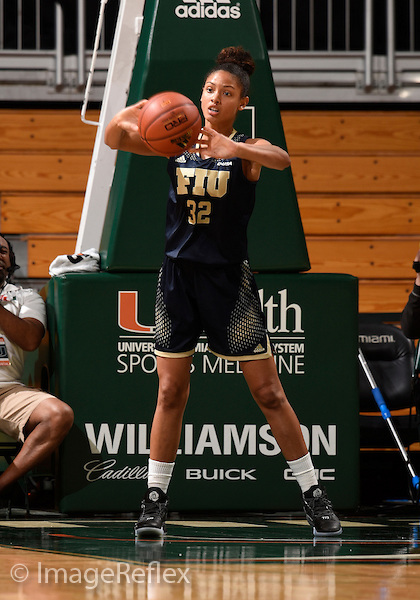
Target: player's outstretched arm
122,131
258,153
255,153
266,154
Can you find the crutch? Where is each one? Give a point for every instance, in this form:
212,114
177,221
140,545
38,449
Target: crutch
415,480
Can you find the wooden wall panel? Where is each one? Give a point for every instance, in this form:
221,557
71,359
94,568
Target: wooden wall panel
361,214
347,132
373,258
45,158
45,130
43,250
44,172
380,296
42,213
357,174
357,179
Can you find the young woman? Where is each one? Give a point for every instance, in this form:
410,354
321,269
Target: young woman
205,283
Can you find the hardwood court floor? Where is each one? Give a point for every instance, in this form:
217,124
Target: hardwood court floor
267,557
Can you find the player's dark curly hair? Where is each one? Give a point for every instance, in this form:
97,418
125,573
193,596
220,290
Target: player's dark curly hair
237,61
13,264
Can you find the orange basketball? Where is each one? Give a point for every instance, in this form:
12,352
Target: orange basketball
169,123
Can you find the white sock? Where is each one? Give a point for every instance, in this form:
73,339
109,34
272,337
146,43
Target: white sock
159,474
304,471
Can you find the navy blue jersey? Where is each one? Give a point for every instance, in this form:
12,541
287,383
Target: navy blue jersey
209,207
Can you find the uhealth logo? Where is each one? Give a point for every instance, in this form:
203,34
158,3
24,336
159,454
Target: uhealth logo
208,9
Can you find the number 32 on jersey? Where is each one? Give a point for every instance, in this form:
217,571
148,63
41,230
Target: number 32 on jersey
198,182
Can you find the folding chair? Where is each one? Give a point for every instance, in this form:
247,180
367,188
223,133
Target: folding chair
386,376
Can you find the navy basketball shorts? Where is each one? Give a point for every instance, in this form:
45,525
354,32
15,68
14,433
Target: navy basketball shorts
220,301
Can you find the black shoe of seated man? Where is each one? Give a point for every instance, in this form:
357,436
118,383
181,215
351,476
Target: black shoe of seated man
319,512
13,497
153,512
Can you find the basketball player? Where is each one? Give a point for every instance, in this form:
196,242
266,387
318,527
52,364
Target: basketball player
205,283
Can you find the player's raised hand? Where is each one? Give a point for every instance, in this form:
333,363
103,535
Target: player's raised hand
129,117
122,132
216,144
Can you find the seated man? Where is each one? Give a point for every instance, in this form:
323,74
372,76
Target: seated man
38,419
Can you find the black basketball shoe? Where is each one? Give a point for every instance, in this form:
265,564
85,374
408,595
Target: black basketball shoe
319,512
153,512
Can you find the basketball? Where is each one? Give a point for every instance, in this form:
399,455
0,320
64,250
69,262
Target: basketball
169,123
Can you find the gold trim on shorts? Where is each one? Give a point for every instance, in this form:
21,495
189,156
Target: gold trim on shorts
174,354
244,358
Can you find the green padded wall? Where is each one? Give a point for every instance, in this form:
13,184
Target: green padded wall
102,364
177,47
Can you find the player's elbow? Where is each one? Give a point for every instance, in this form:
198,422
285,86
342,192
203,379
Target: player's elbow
114,135
111,140
285,160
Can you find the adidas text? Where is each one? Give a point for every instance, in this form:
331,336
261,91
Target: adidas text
208,9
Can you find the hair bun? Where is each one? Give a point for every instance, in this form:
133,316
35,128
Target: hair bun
238,56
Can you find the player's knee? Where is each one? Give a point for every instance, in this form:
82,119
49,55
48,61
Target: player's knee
172,395
270,397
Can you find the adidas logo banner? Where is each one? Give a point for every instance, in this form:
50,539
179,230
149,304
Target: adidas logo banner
208,9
